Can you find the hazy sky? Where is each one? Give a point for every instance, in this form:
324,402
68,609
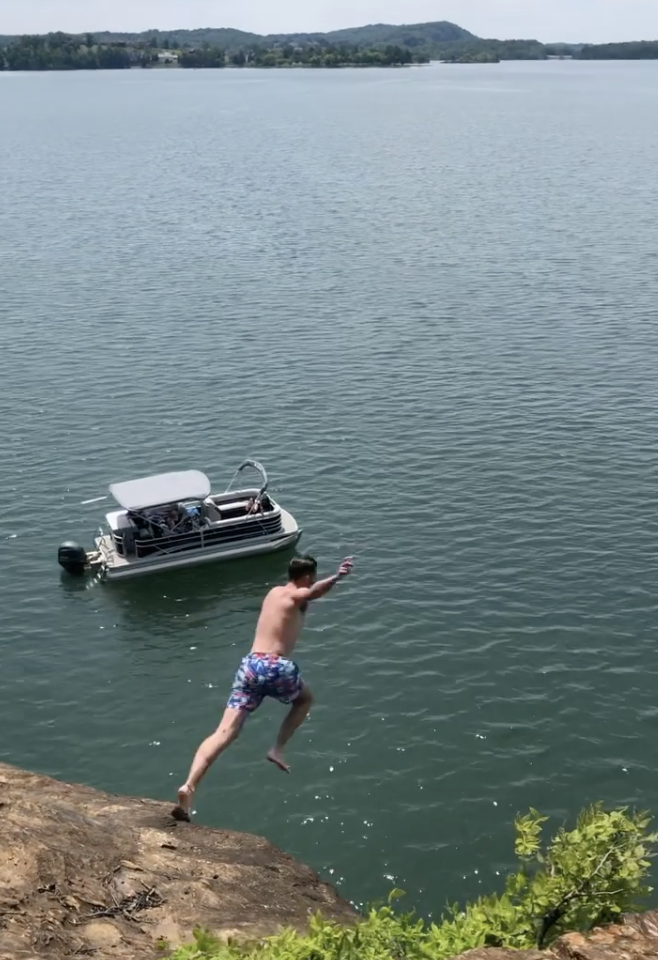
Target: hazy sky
547,20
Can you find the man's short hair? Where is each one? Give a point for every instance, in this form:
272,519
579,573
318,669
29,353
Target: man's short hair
302,567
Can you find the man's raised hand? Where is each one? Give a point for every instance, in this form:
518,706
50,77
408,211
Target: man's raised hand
346,567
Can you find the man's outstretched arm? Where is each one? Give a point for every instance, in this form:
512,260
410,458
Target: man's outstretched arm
304,594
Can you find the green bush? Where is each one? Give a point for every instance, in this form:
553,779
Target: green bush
583,877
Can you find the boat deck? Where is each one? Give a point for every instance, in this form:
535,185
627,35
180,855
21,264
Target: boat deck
261,541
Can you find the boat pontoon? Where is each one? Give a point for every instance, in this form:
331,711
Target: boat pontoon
172,520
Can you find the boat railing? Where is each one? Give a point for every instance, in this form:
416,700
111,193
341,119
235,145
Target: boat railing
209,536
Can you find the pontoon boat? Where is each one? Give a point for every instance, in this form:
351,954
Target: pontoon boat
172,520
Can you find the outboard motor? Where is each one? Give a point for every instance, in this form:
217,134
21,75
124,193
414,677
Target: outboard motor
72,557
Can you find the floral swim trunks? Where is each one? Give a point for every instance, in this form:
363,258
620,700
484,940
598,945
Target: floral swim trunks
263,675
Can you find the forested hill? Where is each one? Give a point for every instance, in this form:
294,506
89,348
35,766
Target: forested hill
412,35
409,35
376,44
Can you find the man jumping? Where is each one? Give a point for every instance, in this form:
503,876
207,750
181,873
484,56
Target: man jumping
267,671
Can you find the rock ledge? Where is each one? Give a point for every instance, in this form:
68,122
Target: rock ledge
87,873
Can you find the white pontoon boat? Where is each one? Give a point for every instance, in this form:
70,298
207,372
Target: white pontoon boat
172,520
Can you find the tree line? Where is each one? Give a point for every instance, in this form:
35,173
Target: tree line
641,50
61,51
486,51
287,55
489,51
472,58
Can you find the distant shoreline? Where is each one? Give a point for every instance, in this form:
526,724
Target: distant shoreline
378,45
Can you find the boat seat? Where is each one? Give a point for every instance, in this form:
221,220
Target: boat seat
212,511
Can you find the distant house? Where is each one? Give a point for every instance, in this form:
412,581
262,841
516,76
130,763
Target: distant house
167,58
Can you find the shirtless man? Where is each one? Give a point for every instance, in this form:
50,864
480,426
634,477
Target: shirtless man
268,671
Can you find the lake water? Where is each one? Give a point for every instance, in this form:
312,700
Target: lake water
427,301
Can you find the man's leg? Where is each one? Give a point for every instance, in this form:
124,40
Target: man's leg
296,716
207,753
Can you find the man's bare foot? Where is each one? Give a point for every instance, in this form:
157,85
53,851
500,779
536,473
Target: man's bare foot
276,757
182,810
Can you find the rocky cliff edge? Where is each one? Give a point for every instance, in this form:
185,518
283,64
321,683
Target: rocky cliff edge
87,873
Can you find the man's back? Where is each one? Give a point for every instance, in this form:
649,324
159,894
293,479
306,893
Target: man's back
279,623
